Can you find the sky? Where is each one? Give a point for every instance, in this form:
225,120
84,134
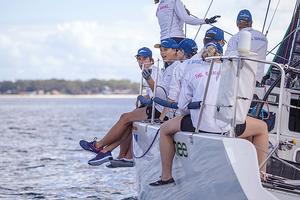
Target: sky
87,39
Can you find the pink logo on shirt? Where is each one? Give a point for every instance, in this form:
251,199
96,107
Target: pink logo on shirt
200,74
163,7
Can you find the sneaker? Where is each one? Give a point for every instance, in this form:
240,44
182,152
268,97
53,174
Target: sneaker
89,146
161,182
123,162
100,158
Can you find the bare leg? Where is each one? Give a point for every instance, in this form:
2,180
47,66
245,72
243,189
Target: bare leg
123,142
124,123
126,147
259,130
167,149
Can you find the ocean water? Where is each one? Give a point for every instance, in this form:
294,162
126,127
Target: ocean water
40,157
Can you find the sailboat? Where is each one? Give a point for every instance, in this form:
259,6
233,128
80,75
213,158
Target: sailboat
211,166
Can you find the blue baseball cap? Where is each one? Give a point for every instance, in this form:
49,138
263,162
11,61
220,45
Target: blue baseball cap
215,34
145,52
168,43
188,46
216,45
244,15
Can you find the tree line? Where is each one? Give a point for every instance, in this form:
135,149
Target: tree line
57,86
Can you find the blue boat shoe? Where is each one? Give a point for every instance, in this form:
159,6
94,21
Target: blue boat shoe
89,146
100,158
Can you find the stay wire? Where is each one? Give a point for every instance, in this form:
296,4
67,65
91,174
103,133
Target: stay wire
275,11
267,12
203,18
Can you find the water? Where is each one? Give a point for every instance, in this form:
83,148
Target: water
40,157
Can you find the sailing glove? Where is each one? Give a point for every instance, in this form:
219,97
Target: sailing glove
212,19
147,74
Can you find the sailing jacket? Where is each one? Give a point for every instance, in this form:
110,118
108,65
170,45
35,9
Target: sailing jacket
171,16
193,87
259,45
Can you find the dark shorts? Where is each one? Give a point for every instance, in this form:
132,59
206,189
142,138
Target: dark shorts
156,113
186,124
240,129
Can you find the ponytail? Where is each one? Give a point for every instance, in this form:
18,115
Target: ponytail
209,52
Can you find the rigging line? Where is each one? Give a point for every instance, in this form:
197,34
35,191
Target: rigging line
275,11
296,29
274,54
222,30
267,12
203,18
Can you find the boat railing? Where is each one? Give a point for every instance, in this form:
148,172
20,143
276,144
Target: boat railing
239,60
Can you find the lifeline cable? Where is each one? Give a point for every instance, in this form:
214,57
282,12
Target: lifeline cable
138,157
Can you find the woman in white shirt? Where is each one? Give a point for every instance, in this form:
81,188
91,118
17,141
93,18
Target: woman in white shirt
122,128
193,87
172,15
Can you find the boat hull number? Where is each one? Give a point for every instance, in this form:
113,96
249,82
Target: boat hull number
181,149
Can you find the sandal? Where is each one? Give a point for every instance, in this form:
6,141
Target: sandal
161,182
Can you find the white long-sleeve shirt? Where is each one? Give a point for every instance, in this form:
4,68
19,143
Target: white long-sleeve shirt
259,45
163,85
193,87
176,81
171,16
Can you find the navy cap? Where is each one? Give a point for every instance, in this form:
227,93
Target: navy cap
167,43
216,45
214,33
145,52
188,46
244,15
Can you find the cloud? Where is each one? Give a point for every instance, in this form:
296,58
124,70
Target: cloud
72,50
104,49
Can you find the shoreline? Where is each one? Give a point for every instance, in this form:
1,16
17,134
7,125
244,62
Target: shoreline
96,96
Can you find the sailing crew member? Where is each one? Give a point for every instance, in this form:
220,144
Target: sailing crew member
187,48
193,81
214,34
149,70
121,131
193,87
172,15
259,42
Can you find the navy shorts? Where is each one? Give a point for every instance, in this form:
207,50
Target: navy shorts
186,124
156,113
240,129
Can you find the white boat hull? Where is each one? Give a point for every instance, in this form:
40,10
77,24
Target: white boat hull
207,166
